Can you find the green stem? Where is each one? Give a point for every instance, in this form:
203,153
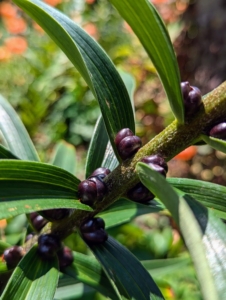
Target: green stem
168,143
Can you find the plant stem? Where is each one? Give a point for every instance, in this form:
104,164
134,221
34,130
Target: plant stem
172,140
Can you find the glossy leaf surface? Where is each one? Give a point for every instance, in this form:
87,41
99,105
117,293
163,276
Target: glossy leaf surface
217,144
149,28
123,211
97,147
15,134
88,270
203,232
90,60
33,278
32,186
65,157
209,194
130,277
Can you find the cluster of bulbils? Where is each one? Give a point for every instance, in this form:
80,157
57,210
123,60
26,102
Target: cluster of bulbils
192,100
93,189
49,245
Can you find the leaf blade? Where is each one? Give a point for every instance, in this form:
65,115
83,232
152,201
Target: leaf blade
15,133
91,61
199,227
149,28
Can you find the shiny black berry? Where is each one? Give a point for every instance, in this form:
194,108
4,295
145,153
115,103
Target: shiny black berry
87,192
13,255
122,134
91,190
139,193
219,131
48,245
65,257
55,214
92,225
93,232
97,237
192,98
129,146
37,221
101,173
156,160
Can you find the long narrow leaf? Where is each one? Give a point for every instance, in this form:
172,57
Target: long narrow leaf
90,60
203,233
87,270
209,194
15,133
97,147
129,275
149,28
33,186
217,144
65,157
33,279
123,211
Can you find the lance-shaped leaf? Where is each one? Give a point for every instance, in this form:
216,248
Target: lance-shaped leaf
123,211
15,133
88,270
209,194
130,277
65,157
5,153
97,147
32,186
149,28
33,278
110,160
90,60
217,144
203,232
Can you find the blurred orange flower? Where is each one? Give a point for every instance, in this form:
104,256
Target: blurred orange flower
91,29
15,25
53,2
90,1
187,154
16,44
3,223
4,54
7,10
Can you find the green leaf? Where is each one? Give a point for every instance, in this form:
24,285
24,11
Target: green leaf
3,246
87,270
204,234
76,291
33,186
97,147
3,267
209,194
217,144
33,278
130,84
4,153
149,28
110,160
65,157
161,267
126,271
123,211
15,133
90,60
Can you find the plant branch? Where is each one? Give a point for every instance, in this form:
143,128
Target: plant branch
172,140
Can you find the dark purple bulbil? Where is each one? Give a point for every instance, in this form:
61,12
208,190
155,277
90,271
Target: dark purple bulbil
65,257
219,131
55,214
192,97
48,245
13,255
139,193
93,232
122,134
